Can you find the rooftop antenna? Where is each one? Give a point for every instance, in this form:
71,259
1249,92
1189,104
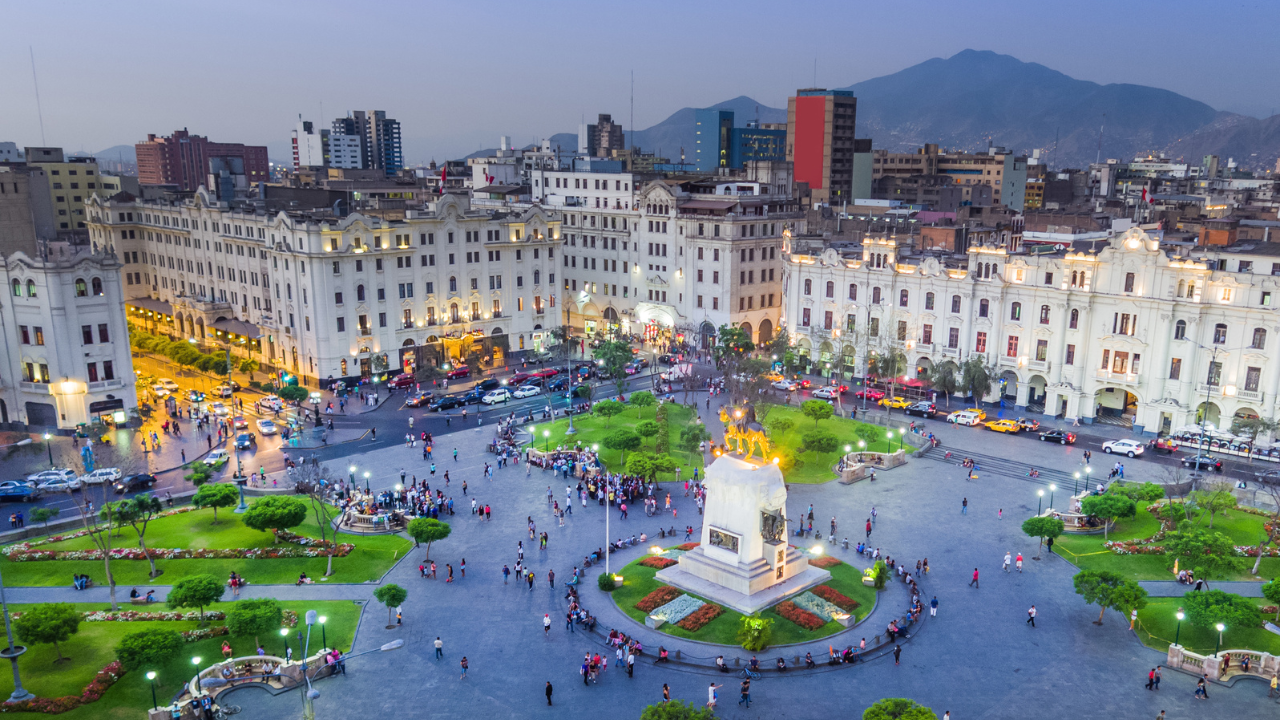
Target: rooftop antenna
633,111
815,72
1098,159
36,82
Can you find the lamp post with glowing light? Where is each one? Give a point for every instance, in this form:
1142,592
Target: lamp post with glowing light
284,637
1075,485
367,491
151,675
324,638
1177,635
351,473
546,440
49,446
1221,629
1052,487
1040,502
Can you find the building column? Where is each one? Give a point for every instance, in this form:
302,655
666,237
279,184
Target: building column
1022,391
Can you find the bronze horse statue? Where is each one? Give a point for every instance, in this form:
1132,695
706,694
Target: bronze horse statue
745,430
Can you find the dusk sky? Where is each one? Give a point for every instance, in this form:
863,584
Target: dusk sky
459,74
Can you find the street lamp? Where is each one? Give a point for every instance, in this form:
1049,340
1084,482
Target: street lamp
1220,628
12,653
352,474
1177,635
546,440
1039,502
367,491
1075,485
196,661
151,675
902,438
323,637
49,447
284,637
888,434
1052,487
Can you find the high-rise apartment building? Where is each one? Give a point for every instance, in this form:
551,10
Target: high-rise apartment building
310,146
601,138
69,182
719,144
379,138
182,159
820,142
999,169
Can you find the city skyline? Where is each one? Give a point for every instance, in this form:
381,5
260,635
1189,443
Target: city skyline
450,110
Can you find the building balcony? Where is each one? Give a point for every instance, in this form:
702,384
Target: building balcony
1250,395
364,332
1127,378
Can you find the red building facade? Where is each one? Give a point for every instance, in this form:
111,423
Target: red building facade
182,159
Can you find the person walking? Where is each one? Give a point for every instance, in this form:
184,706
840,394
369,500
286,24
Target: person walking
1008,560
1031,616
551,578
1275,685
711,696
964,506
1151,679
1019,563
933,607
439,648
546,625
1158,671
464,667
868,528
897,654
548,692
974,581
666,694
746,693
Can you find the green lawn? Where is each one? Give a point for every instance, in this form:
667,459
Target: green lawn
1159,627
639,581
1088,553
371,558
592,430
815,467
93,647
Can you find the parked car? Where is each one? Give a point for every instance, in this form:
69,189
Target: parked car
1166,445
135,482
223,391
1028,424
548,373
1123,447
61,484
870,394
630,369
1004,426
982,414
964,417
422,398
168,384
668,359
924,409
217,458
573,392
826,393
195,396
488,384
101,475
558,384
1062,437
244,441
785,385
219,409
519,378
266,426
18,493
1202,462
495,396
403,380
448,402
473,396
525,391
159,391
272,402
895,402
55,474
460,372
773,376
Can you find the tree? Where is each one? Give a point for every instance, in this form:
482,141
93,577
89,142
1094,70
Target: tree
392,596
1107,589
779,427
648,465
622,440
613,356
648,429
891,365
275,512
98,525
1109,508
293,393
754,632
149,648
676,710
607,409
1252,428
1214,500
197,591
975,379
1210,554
249,366
1208,608
944,380
255,617
313,480
1271,591
819,441
428,530
642,400
817,410
898,709
44,514
48,623
216,495
1043,528
475,364
138,511
692,436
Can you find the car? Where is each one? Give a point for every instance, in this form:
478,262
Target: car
924,409
525,391
448,402
534,381
1028,424
519,378
964,417
539,356
669,359
55,474
495,396
18,493
870,394
785,385
456,373
826,393
159,391
9,484
61,484
630,369
1166,445
1062,437
1004,426
135,482
773,376
223,391
101,475
239,423
235,386
220,410
420,399
473,396
244,441
403,380
168,384
982,414
546,374
1132,448
216,458
558,384
804,383
1269,477
487,385
640,363
1202,462
895,402
267,426
573,391
272,402
195,396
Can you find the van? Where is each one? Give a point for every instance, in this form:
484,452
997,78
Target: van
964,417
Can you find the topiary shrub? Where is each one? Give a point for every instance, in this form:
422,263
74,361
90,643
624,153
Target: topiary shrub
606,583
754,633
881,574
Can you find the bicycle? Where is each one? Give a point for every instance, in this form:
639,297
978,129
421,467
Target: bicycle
747,674
222,712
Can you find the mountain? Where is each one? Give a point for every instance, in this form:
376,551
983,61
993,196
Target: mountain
1254,143
115,158
976,97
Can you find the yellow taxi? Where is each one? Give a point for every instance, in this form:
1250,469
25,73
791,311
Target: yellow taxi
895,402
1004,426
773,377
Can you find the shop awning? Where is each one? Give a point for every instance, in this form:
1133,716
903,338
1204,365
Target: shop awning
238,327
146,303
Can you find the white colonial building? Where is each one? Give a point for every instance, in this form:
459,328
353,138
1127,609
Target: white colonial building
1124,329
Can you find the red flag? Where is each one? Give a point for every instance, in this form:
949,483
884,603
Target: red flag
1146,198
444,175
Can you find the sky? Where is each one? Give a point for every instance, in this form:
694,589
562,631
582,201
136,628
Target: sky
457,75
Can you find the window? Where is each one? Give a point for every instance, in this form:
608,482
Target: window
96,285
984,307
831,289
82,288
31,288
875,296
1071,355
902,331
1175,368
17,287
928,300
1226,295
850,322
453,284
1259,338
1015,311
1182,287
1128,282
981,344
1075,319
827,320
103,334
804,318
39,334
337,298
360,293
86,334
1219,334
1215,373
853,291
808,287
1266,298
1106,360
1180,330
902,298
1048,278
342,324
1252,376
953,338
873,327
1121,362
955,303
1044,314
926,334
1011,349
93,372
108,370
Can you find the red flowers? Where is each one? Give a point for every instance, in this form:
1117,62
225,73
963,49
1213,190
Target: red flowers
658,598
835,597
687,546
657,561
703,615
92,692
826,561
803,618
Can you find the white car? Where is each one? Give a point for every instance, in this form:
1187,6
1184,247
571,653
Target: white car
168,384
272,402
496,396
826,393
786,385
267,427
55,474
101,475
216,456
525,391
1132,448
964,417
59,485
223,391
219,409
159,390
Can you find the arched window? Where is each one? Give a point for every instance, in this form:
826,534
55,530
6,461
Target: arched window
31,288
875,296
1191,291
1180,330
82,288
453,284
17,287
359,293
1259,338
453,313
902,299
831,289
1219,334
928,301
1015,311
983,307
96,284
853,291
995,270
1044,314
1074,275
1182,287
1075,319
808,286
955,303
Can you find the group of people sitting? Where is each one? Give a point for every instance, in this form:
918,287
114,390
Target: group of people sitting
1188,577
134,595
81,582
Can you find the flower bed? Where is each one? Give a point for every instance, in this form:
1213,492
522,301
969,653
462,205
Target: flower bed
826,561
22,553
799,616
703,615
1131,547
816,605
835,597
205,633
135,616
687,546
92,692
82,533
658,598
678,609
288,617
657,561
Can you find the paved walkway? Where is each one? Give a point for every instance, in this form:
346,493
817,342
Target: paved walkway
1173,588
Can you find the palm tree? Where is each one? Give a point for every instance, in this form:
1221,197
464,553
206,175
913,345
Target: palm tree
890,365
975,379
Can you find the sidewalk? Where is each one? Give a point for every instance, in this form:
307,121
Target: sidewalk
1173,588
320,590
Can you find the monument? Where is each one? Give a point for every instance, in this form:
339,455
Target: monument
744,561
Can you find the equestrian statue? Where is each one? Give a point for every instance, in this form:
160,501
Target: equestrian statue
745,430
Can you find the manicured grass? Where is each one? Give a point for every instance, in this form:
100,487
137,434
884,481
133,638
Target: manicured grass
592,430
1088,553
1158,627
93,647
371,558
815,467
639,581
